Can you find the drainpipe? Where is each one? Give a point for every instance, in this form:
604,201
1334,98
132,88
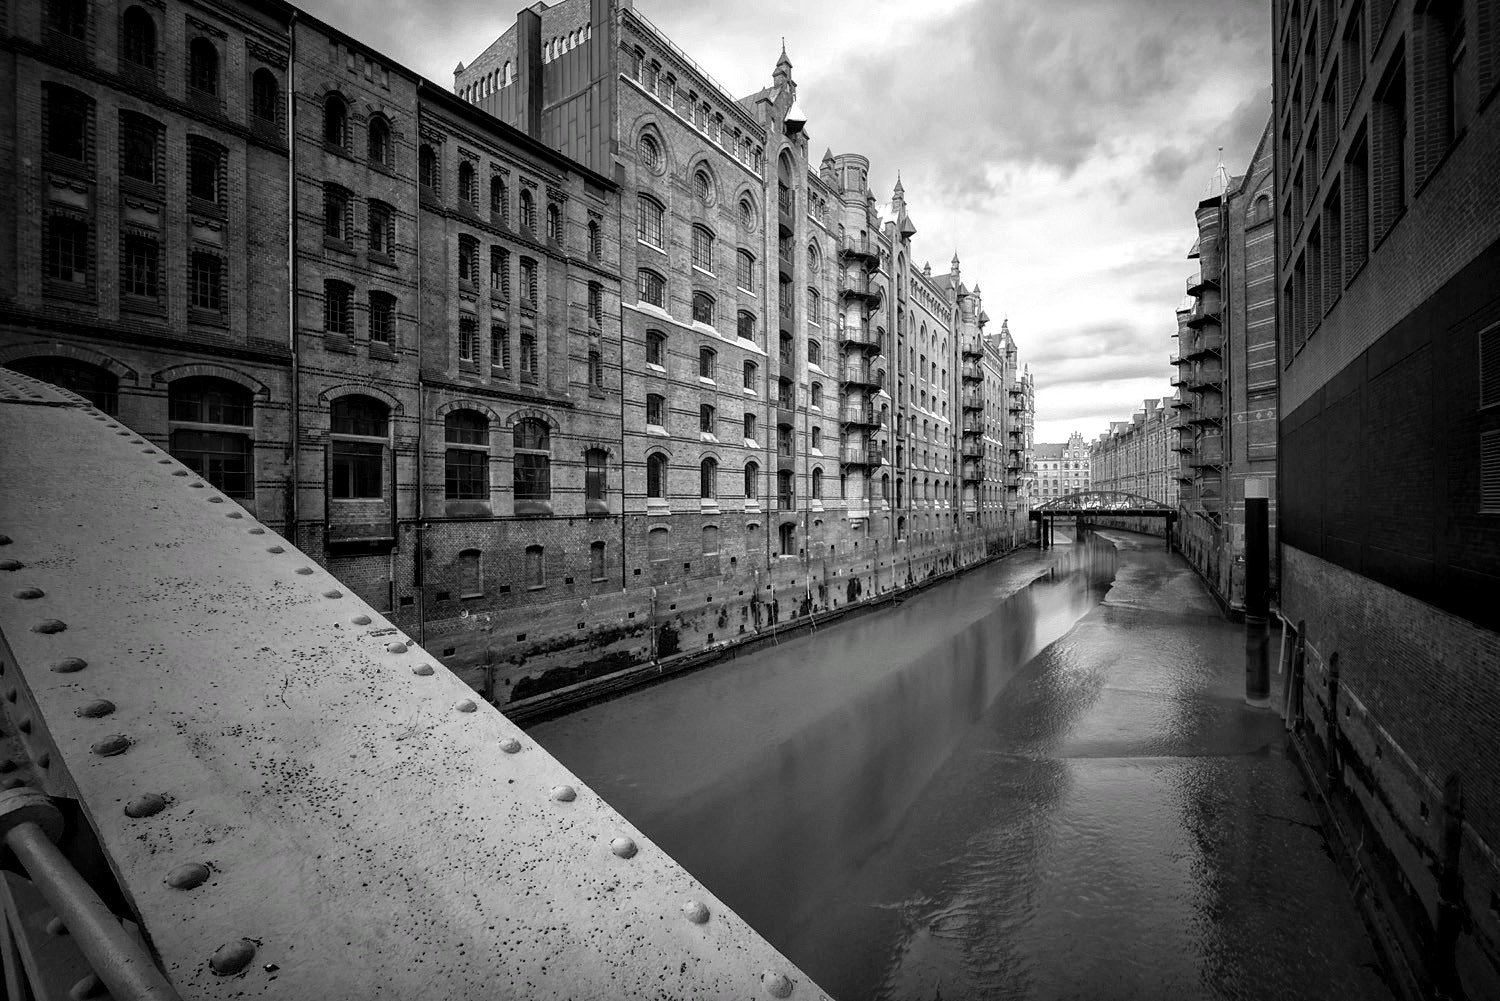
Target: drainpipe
292,507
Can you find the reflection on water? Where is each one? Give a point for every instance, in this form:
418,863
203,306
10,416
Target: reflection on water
975,793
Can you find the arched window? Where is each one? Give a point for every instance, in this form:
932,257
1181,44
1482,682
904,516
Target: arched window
656,348
468,259
138,38
815,392
595,481
708,479
507,74
205,414
656,476
786,495
745,270
470,573
745,325
67,121
203,67
657,549
787,534
532,461
814,352
596,241
428,175
814,307
749,427
97,385
265,96
752,481
814,260
528,210
499,202
703,186
707,418
466,460
336,121
648,219
710,540
596,561
707,358
747,213
703,308
360,431
468,190
536,575
703,248
554,223
817,438
817,484
651,288
750,373
656,410
69,18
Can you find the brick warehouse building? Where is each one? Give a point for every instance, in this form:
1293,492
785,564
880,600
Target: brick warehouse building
1387,252
1135,456
1224,431
1063,468
532,439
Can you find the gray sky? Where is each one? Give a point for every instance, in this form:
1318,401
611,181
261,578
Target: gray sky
1059,146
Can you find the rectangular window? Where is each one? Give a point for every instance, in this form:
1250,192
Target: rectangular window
206,282
140,272
67,255
656,410
596,303
382,317
382,230
1389,120
594,475
139,138
706,419
466,474
338,308
528,280
357,466
648,219
1356,195
750,426
499,346
1333,246
205,171
335,214
746,272
224,460
528,355
499,265
468,339
703,249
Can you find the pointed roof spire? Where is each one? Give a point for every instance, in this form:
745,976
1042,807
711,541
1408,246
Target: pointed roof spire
899,189
828,155
953,265
459,68
1218,181
783,69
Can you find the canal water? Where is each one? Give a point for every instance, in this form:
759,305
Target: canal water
1017,784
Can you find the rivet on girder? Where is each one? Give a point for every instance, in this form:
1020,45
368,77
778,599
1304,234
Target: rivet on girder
232,957
275,549
136,441
179,472
49,626
4,540
196,486
624,847
361,620
10,695
25,726
422,670
187,876
304,571
465,705
115,743
257,530
148,451
776,984
395,648
233,514
55,926
11,564
69,665
216,500
27,593
564,794
696,911
163,462
333,593
95,709
147,805
123,434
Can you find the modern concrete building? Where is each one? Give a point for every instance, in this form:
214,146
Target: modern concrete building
1225,372
579,362
1062,468
1136,456
1387,257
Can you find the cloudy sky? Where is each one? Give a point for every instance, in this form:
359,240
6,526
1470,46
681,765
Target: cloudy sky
1059,146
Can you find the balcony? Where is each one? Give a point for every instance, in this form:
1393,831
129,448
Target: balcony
972,373
861,375
861,336
1012,481
1205,377
1017,405
972,348
972,401
860,246
859,286
973,450
1198,281
1202,314
786,500
860,416
1209,410
972,472
1206,342
861,452
1178,403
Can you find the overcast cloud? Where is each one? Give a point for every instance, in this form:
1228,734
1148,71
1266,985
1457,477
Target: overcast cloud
1059,146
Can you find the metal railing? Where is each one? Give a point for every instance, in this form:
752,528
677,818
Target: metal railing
972,373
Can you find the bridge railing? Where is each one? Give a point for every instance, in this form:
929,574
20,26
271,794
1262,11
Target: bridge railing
291,797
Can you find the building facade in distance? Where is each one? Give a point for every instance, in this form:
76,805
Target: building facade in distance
1224,432
1062,468
1387,130
1136,456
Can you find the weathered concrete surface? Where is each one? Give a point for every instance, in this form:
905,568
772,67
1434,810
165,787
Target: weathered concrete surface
370,827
